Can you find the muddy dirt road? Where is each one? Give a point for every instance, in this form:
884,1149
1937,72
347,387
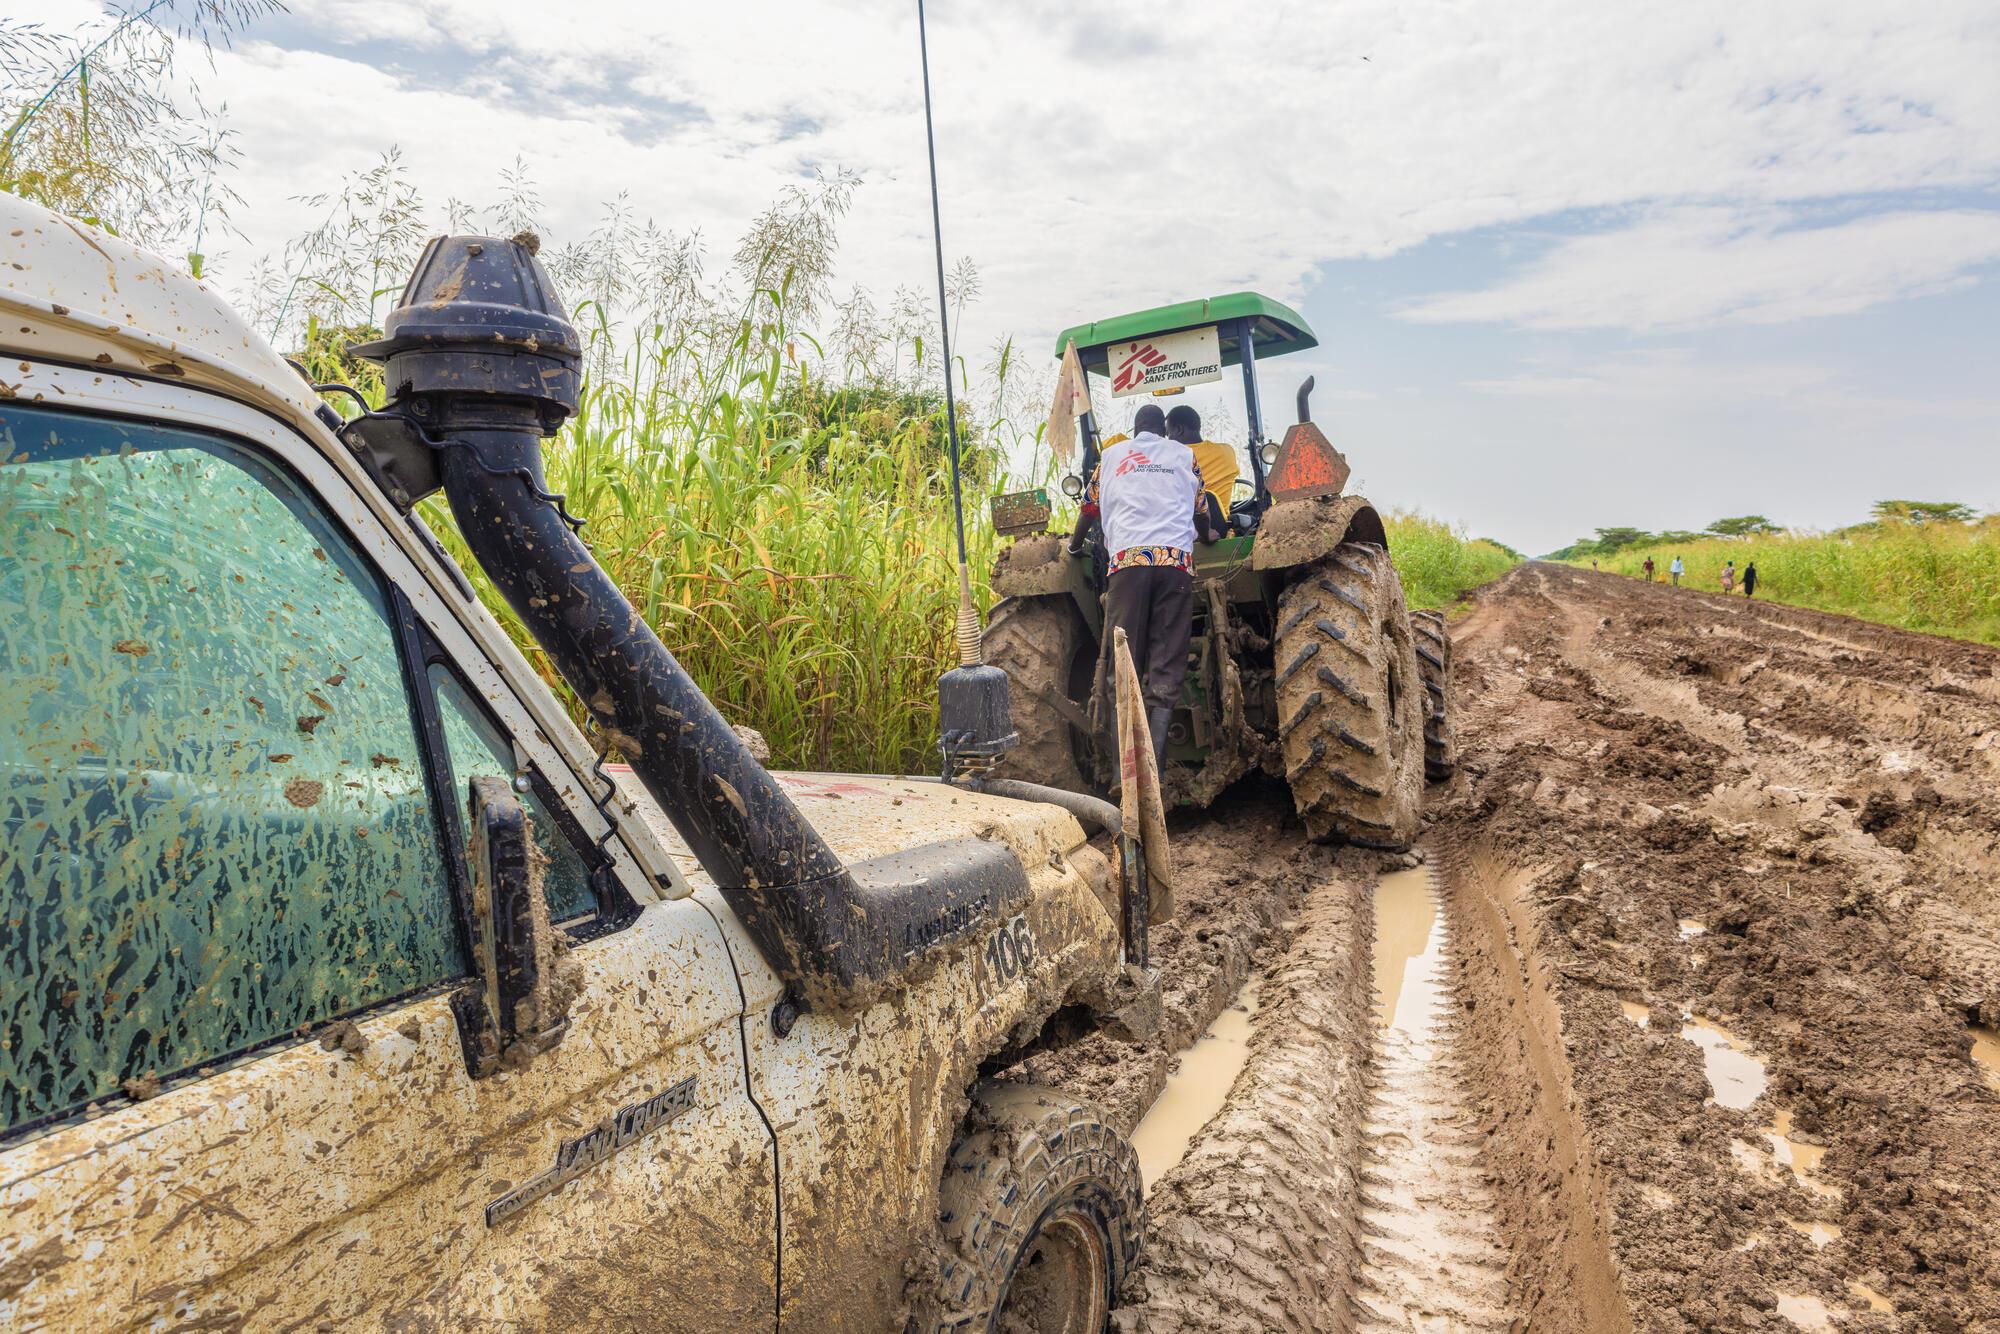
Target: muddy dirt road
1685,1023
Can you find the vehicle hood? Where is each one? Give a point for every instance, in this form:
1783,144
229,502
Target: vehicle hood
863,816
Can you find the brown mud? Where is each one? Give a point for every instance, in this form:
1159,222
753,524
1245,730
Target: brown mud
1717,973
1238,888
1814,798
1431,1251
1255,1228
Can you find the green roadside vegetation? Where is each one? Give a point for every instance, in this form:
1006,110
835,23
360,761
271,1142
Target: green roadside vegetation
763,470
1438,562
1927,566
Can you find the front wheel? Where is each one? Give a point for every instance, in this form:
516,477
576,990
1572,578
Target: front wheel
1040,1216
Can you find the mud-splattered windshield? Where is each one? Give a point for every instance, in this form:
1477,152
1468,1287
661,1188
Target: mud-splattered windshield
214,824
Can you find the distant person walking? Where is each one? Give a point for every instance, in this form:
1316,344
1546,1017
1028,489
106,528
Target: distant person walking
1677,570
1750,580
1649,569
1729,576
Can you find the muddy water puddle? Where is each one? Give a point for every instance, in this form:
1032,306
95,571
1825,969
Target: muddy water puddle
1431,1251
1409,945
1802,1159
1197,1088
1986,1053
1811,1313
1735,1076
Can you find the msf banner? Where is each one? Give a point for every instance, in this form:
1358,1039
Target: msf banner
1165,361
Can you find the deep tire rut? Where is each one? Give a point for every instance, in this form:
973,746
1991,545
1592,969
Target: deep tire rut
1431,1255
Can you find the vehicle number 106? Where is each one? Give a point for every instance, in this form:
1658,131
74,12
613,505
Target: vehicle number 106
1009,951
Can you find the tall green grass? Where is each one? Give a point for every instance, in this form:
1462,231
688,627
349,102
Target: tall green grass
762,468
801,565
1438,562
795,551
1937,578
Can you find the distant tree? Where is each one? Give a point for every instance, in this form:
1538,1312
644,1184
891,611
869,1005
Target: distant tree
1679,536
1617,539
1743,525
1924,511
1496,542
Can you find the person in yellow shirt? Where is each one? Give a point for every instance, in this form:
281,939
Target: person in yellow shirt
1216,461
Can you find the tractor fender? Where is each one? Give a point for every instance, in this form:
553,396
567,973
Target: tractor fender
1031,567
1298,532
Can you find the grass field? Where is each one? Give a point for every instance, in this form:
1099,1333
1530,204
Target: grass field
1938,578
1438,562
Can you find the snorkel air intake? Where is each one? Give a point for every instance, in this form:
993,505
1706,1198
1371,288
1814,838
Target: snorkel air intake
480,365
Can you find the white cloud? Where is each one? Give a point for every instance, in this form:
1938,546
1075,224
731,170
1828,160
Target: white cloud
1688,267
1739,163
1092,166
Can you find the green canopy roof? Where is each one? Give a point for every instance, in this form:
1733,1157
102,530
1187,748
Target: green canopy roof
1275,328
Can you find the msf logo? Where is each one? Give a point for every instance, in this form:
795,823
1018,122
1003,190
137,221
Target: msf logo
1133,369
1134,460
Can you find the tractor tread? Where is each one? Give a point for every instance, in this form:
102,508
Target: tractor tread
1307,708
1357,772
1344,595
1304,656
1332,678
1348,739
1314,754
1351,783
1033,640
1434,661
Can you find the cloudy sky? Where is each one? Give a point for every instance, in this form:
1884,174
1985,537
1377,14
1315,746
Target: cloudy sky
1571,263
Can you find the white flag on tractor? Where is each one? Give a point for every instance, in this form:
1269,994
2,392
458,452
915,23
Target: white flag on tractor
1143,810
1072,401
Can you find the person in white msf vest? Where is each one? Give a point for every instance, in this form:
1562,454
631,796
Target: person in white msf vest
1146,495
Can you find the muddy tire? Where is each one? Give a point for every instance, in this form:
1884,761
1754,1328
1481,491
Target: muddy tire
1036,641
1040,1216
1351,700
1433,642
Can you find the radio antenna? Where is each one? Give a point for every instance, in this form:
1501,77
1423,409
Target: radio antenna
970,652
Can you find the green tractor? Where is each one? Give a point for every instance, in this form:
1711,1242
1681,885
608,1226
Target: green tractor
1305,662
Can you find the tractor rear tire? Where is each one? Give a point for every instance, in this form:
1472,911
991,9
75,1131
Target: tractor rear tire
1351,700
1040,1217
1434,662
1035,640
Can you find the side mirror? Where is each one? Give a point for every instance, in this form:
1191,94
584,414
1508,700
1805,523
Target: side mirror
1072,486
515,1012
1268,452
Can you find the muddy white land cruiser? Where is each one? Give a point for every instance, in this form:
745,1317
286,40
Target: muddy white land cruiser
342,986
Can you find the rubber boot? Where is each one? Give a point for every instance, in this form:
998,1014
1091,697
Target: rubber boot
1156,720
